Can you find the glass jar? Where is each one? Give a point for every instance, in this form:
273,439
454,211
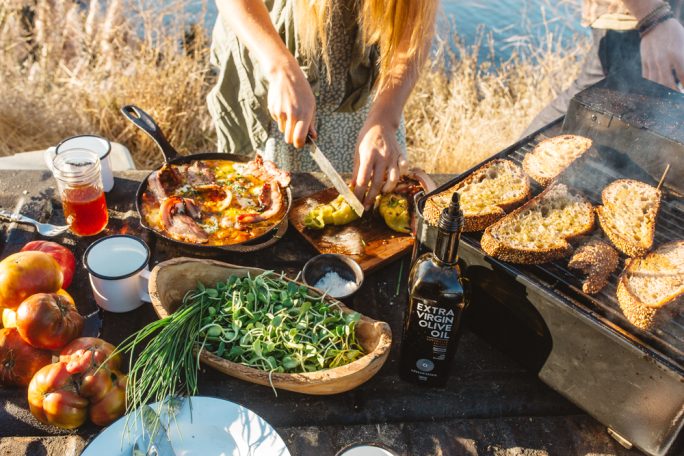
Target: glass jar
79,182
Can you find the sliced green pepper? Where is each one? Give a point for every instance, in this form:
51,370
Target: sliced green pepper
394,209
336,212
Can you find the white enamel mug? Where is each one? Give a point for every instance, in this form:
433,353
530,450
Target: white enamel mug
96,144
118,267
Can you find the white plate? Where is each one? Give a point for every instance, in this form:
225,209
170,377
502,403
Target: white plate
213,427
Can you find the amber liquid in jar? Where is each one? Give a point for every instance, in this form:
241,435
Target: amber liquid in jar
85,209
77,172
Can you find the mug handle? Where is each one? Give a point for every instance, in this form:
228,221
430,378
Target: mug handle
49,156
144,281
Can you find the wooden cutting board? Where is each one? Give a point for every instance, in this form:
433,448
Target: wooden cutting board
367,240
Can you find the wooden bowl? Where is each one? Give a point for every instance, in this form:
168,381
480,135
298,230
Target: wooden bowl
170,280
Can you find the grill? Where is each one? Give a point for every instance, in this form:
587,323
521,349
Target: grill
667,340
582,346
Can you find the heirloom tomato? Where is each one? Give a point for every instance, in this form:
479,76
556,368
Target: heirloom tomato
26,273
85,382
63,256
18,360
49,320
53,398
112,404
9,316
85,353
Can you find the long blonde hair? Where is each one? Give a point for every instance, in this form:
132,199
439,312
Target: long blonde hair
402,29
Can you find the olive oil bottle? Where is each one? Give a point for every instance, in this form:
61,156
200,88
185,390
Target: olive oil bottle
436,303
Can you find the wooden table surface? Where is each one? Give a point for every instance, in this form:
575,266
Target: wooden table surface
491,405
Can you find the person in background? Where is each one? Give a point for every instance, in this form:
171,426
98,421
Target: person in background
338,70
630,38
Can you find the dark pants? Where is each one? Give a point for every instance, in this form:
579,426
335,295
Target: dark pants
612,52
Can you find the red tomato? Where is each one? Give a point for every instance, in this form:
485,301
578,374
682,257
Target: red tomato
112,404
53,398
26,273
86,353
63,256
9,316
18,360
49,320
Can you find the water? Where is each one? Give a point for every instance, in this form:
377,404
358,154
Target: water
513,24
516,24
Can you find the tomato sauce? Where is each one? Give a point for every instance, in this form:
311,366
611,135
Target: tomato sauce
85,209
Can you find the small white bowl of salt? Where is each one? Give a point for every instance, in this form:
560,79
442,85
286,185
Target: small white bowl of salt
335,275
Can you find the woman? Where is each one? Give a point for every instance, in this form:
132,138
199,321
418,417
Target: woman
339,70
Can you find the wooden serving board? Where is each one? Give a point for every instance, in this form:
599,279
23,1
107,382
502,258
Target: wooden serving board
367,240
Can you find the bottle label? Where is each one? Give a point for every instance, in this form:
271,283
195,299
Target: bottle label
437,321
429,339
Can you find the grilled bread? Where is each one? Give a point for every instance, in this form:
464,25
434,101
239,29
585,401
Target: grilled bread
551,156
598,260
486,195
628,215
539,231
649,284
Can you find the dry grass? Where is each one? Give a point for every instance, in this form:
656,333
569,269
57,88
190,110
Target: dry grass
456,119
66,71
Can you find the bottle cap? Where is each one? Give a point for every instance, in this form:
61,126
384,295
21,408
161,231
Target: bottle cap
451,219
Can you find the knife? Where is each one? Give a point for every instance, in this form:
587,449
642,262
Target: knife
337,181
154,440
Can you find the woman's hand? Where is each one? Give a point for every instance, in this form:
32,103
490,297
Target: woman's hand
291,102
662,53
379,161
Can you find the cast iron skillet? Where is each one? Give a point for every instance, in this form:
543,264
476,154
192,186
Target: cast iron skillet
143,121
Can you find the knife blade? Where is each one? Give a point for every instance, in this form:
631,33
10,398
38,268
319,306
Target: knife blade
335,178
154,440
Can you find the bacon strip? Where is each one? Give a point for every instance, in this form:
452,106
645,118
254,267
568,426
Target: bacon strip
273,197
164,181
177,217
266,170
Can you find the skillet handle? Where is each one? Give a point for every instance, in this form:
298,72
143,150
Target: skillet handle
144,121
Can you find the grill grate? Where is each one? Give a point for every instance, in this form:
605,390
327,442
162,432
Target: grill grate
592,174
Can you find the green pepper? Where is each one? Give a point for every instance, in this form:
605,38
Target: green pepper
394,209
336,212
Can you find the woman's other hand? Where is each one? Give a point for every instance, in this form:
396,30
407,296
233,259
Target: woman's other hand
291,102
662,54
379,161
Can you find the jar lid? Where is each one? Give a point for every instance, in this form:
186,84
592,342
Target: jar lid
76,164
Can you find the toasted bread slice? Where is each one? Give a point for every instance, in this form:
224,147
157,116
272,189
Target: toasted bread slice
539,231
649,284
598,260
628,215
486,195
551,156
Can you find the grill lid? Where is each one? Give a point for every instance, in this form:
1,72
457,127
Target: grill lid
642,127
